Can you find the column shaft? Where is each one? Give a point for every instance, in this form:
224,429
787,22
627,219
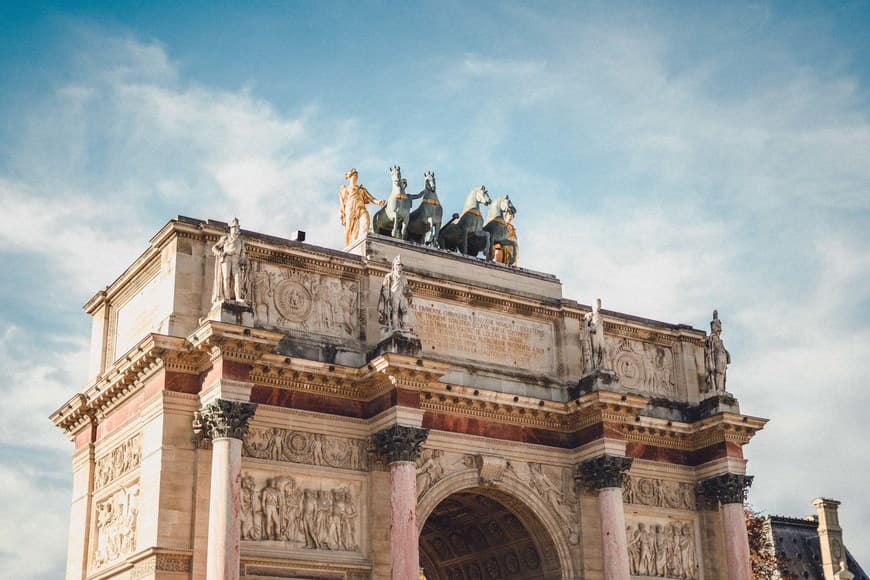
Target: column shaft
404,545
224,509
736,542
613,539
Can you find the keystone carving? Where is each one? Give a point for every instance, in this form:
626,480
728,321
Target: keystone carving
726,488
223,418
604,471
400,443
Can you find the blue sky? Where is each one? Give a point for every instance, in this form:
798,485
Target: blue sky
670,158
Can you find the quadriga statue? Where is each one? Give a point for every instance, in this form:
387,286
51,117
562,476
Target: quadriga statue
424,224
464,232
502,233
392,219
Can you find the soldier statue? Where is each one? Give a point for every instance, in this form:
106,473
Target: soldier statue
231,266
394,303
716,356
353,198
593,339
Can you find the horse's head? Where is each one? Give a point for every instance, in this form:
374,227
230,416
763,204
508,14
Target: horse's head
482,196
429,181
396,174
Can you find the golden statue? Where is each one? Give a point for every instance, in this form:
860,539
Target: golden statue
354,215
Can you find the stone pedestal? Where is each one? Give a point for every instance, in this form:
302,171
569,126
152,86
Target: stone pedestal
606,473
602,379
232,312
399,342
729,490
225,424
400,446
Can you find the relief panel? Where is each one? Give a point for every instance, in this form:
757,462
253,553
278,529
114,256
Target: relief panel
462,333
117,462
301,511
643,366
298,300
662,548
276,444
660,493
116,519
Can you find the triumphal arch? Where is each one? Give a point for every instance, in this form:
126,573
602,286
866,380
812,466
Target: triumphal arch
261,407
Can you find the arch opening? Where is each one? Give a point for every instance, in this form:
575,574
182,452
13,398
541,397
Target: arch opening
483,533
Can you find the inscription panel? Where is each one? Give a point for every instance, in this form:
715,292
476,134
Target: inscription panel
485,337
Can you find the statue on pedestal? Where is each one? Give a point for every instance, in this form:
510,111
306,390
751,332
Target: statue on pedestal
593,339
394,303
716,356
231,266
354,215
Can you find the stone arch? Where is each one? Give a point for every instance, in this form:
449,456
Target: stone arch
540,520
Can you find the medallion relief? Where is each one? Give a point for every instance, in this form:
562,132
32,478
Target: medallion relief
120,460
643,366
276,444
116,519
662,549
299,300
661,493
303,512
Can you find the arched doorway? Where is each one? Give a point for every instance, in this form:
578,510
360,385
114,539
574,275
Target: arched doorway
484,533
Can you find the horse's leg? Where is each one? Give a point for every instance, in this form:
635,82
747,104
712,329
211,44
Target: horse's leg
488,245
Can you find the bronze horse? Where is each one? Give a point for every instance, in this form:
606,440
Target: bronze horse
425,221
464,232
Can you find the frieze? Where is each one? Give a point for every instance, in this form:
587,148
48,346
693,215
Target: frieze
662,549
120,460
276,444
661,493
300,300
310,513
116,519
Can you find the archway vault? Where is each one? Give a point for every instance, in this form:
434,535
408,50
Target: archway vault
501,530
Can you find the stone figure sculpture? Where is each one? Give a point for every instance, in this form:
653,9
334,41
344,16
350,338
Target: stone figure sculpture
231,266
392,218
593,339
716,356
394,303
502,233
662,550
465,230
424,224
353,198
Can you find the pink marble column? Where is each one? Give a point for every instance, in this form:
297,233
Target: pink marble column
736,542
404,544
606,473
613,539
400,446
225,423
729,490
223,509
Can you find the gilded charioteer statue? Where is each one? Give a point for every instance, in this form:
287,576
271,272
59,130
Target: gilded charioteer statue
353,198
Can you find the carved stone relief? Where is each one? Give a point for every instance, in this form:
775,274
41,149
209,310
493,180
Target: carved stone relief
120,460
662,549
555,486
299,300
279,444
659,493
643,366
116,518
304,512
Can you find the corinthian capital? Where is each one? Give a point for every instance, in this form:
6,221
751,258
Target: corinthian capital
400,443
224,418
726,488
604,471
